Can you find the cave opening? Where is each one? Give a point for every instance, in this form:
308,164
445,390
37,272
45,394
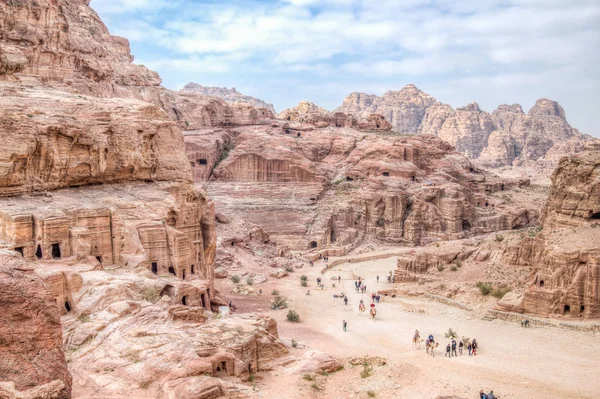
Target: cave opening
581,309
67,306
202,162
413,178
99,258
184,300
386,174
169,290
313,244
348,178
55,251
172,271
541,283
502,187
38,252
594,215
154,267
183,274
567,310
298,134
192,269
466,225
333,236
19,250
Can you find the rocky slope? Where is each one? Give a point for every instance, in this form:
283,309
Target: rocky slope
565,255
230,96
507,136
331,188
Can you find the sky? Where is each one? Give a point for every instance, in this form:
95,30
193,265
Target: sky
284,51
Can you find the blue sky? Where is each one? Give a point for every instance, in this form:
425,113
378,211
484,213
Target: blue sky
488,51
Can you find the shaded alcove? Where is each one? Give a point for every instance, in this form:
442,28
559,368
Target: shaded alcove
184,300
68,306
202,162
192,270
567,310
386,174
169,291
19,250
172,271
38,252
313,244
154,267
55,251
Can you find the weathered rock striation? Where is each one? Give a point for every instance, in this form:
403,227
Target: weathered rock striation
231,96
565,255
330,188
507,136
31,357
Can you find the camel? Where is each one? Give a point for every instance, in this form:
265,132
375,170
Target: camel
431,346
416,340
361,307
373,312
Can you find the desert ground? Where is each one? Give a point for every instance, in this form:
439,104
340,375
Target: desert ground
512,361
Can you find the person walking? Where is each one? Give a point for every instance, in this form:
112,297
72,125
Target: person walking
469,348
448,351
453,348
378,278
474,347
460,347
344,325
345,300
491,395
339,279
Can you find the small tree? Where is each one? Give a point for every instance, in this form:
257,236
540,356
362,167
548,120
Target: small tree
249,281
236,279
279,302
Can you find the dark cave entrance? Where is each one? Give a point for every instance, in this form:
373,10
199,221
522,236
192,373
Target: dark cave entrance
594,215
154,267
184,300
466,225
38,252
19,250
386,174
313,244
68,306
55,251
172,271
567,310
333,236
202,162
192,269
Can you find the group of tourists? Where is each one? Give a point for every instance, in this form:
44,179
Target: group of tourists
483,395
360,286
325,258
451,347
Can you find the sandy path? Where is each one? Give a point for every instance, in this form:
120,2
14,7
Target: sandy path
515,362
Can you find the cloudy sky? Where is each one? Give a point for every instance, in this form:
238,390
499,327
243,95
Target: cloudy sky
285,51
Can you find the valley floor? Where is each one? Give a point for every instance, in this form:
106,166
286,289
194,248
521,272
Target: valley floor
538,362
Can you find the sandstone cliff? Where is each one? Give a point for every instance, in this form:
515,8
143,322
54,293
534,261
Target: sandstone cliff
231,96
31,355
508,136
565,255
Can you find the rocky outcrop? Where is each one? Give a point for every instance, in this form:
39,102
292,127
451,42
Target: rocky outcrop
564,256
331,188
231,96
508,136
31,356
304,110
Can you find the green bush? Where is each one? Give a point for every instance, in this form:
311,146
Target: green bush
485,288
304,278
304,283
279,302
367,371
289,269
236,279
292,316
308,377
499,237
440,268
458,263
370,394
150,294
249,281
499,292
274,292
453,268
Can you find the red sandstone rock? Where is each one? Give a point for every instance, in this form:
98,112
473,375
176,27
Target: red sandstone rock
31,352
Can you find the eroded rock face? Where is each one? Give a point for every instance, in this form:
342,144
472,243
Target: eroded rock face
565,255
333,186
31,352
231,96
507,136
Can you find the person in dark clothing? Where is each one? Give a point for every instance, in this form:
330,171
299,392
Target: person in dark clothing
344,324
453,348
482,395
491,395
448,351
377,278
345,300
460,347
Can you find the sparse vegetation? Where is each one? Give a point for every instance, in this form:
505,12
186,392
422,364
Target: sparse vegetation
337,181
304,283
315,386
367,370
150,294
292,316
485,288
458,263
279,302
499,237
308,377
324,373
451,334
453,268
249,281
534,232
289,269
500,291
440,268
236,279
371,394
274,292
84,318
303,278
251,378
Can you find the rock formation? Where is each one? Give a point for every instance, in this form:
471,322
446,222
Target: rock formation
231,96
508,136
332,188
564,256
32,361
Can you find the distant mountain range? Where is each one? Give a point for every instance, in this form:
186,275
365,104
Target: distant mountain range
229,95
